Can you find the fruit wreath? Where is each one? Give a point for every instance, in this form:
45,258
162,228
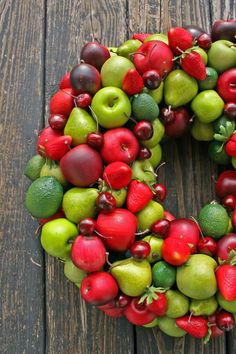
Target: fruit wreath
94,188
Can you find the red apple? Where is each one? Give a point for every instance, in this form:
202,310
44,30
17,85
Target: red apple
62,102
224,29
225,245
117,229
226,85
82,165
168,216
154,55
65,81
119,144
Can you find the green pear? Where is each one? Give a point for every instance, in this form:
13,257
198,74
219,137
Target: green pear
177,304
169,327
156,245
53,169
119,195
202,131
157,94
113,51
152,324
207,106
152,212
196,278
157,37
156,155
73,273
158,133
80,203
226,305
143,171
133,276
203,54
222,55
203,307
179,88
114,70
128,48
80,123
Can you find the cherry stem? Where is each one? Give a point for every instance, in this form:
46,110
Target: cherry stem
193,218
160,166
98,233
142,233
95,117
108,182
213,179
107,259
153,173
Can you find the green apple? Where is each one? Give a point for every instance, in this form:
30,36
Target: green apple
202,131
158,133
73,273
207,106
152,212
156,246
222,55
156,155
55,236
111,107
113,51
179,88
157,37
157,94
114,70
128,48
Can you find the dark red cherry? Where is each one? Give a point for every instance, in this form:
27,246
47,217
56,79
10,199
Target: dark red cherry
144,153
83,100
207,245
160,192
95,140
161,227
140,249
167,115
122,300
106,202
225,321
204,41
230,110
152,79
143,130
229,202
87,226
57,121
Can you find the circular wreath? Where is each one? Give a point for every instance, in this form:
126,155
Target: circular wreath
94,188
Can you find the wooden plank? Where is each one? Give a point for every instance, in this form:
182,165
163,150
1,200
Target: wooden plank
72,326
188,169
21,102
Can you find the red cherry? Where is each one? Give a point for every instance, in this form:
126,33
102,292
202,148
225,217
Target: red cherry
144,153
167,115
106,202
152,79
122,300
57,121
143,130
161,227
225,245
160,192
233,219
204,41
175,251
225,321
230,110
83,100
229,202
95,140
87,226
140,249
207,245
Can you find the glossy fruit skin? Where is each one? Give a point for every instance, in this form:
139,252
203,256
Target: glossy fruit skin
122,300
194,30
175,251
152,79
57,121
225,321
204,41
83,100
132,82
62,102
138,314
144,153
226,85
233,219
179,40
119,144
229,202
179,125
223,29
226,184
106,202
88,253
168,216
87,226
99,288
207,245
167,115
143,130
215,331
226,281
118,229
193,65
47,135
95,140
65,81
117,175
225,245
85,78
160,192
158,306
230,147
82,165
58,147
196,326
140,249
95,54
161,227
139,195
230,110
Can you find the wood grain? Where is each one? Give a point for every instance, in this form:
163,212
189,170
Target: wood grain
21,102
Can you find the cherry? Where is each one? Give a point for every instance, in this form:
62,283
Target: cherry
87,226
83,100
160,192
233,218
207,245
230,110
204,41
152,79
167,114
122,300
57,121
144,153
229,202
140,249
143,130
95,140
160,227
106,202
225,321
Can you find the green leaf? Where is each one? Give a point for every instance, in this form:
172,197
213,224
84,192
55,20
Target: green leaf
221,147
220,137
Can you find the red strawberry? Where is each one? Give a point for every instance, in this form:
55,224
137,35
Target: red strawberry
226,281
132,83
158,305
45,136
139,195
179,40
140,36
193,65
196,326
55,149
62,102
230,146
65,81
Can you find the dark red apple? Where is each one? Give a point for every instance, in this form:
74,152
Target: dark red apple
117,229
224,29
154,55
119,144
82,165
95,54
179,125
85,78
62,102
226,184
225,245
226,85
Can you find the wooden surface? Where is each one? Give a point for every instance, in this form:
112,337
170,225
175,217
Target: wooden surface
41,312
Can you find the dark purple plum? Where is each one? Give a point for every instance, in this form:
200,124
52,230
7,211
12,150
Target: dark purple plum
85,78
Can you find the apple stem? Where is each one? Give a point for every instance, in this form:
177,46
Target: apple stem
95,117
142,233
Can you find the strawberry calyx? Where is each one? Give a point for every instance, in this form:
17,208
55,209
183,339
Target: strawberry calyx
225,133
185,53
151,294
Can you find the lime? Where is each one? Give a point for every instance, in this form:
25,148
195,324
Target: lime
163,274
53,169
144,107
210,81
44,197
217,153
213,220
218,122
33,167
